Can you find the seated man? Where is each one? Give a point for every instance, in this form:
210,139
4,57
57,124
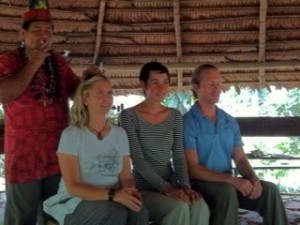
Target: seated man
212,140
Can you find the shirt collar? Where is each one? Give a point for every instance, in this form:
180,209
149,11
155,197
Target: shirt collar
196,111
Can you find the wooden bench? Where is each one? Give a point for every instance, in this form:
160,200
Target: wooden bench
275,163
55,223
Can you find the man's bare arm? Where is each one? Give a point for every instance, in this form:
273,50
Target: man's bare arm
242,165
199,172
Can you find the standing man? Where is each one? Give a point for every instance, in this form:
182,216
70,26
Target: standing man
212,140
35,83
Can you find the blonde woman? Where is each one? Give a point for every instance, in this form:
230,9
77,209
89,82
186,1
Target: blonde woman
96,186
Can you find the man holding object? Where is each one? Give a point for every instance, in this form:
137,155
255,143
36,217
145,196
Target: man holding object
35,84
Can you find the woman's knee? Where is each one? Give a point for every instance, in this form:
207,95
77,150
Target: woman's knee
200,211
118,212
181,208
179,215
201,206
97,212
140,217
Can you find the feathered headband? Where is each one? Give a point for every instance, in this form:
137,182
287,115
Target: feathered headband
38,10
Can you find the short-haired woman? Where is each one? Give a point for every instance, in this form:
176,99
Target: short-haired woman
155,138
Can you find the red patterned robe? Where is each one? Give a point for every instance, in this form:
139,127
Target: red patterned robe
32,130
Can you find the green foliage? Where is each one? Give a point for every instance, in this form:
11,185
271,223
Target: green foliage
261,175
291,147
179,100
279,173
290,108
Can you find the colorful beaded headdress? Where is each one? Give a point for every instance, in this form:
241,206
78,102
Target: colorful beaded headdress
38,10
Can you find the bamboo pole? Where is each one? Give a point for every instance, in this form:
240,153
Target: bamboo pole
99,30
176,11
177,29
262,41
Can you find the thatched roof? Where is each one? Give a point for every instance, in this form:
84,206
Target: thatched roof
254,42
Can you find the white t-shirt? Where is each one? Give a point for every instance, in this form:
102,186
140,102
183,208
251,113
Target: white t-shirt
100,163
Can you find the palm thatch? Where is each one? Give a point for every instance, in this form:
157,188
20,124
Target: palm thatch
256,43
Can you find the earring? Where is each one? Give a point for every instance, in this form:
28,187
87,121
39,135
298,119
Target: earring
22,44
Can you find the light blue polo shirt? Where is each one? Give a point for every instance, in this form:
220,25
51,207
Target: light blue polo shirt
214,141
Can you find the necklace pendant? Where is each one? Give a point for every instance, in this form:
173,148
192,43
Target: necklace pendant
99,136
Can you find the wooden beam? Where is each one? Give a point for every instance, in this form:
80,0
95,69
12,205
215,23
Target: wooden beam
256,83
179,79
188,87
99,30
176,11
262,40
192,65
188,9
177,27
269,126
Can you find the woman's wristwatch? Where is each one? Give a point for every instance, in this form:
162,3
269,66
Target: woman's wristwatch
111,194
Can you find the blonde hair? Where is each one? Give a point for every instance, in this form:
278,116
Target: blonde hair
197,75
79,112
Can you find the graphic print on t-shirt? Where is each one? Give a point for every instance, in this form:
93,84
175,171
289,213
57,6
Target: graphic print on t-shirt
104,164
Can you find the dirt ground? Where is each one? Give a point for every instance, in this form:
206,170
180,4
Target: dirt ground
292,205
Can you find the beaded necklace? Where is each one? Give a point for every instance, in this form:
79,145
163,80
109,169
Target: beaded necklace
45,91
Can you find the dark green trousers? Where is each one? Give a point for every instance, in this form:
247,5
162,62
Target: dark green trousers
24,201
165,210
224,202
106,213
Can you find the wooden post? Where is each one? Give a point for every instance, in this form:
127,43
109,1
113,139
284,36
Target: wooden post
99,30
